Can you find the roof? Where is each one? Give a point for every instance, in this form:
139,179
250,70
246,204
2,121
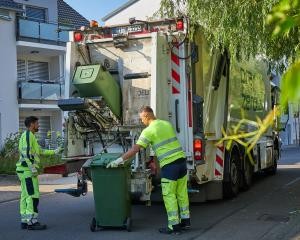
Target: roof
68,15
119,9
10,5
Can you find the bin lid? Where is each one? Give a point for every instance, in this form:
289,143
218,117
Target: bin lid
86,74
101,160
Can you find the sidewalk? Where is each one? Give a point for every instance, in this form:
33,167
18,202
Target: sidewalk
10,186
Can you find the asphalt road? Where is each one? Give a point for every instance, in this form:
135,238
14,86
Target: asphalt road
269,210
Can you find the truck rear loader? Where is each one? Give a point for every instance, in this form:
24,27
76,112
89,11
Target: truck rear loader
115,70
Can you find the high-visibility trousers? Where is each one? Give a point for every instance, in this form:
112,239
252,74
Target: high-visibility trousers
29,199
174,191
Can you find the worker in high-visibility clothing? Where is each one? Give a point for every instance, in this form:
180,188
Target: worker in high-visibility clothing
161,136
27,171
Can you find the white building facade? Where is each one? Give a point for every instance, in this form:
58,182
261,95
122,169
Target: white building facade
32,62
140,9
291,124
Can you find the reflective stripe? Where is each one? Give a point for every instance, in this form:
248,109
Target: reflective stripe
24,217
145,140
161,157
184,209
172,214
154,147
31,156
23,158
184,215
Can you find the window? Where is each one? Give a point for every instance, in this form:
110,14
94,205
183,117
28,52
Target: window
38,71
21,70
32,70
35,14
4,14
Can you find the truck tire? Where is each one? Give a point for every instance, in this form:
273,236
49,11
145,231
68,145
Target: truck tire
231,187
247,174
273,170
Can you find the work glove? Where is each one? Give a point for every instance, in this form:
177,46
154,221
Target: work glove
58,150
33,170
115,163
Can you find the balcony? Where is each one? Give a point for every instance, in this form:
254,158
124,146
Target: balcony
40,91
42,32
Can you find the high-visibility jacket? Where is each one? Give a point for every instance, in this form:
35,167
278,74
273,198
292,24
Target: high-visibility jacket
161,136
30,151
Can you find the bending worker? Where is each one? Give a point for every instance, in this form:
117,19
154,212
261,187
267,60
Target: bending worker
161,136
27,170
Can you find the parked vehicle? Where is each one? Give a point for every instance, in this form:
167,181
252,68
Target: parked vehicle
116,70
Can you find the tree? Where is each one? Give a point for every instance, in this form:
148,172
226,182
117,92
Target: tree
285,22
240,26
247,28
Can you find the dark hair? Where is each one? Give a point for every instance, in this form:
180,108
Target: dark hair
146,109
29,120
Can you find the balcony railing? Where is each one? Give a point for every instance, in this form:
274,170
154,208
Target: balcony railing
43,32
40,90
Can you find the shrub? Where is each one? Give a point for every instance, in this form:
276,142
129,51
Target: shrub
10,147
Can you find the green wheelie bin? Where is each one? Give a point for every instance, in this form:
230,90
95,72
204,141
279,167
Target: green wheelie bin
111,187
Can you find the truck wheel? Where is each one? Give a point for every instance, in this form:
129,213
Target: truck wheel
273,169
128,224
93,225
247,177
231,187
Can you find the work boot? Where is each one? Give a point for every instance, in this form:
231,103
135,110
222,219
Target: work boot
185,223
176,230
36,226
23,225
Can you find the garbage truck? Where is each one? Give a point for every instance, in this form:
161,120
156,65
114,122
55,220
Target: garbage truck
113,71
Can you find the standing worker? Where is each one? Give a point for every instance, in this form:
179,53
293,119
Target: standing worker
27,170
161,136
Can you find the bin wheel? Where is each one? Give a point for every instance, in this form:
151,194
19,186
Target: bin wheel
93,225
128,224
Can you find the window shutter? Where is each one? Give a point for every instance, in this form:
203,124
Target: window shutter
33,13
21,70
38,71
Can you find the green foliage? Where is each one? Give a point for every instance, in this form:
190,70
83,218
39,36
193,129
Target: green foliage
284,17
8,164
248,139
285,22
10,147
241,25
290,85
